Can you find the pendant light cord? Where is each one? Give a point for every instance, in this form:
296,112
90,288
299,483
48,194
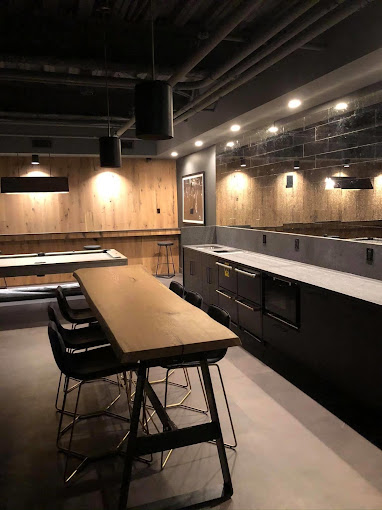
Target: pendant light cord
152,41
106,77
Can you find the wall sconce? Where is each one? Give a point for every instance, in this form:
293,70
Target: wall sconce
243,162
289,181
296,165
35,159
347,163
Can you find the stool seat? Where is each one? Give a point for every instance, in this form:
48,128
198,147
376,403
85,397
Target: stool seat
165,243
92,247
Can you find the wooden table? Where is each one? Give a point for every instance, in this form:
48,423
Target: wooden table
27,264
147,323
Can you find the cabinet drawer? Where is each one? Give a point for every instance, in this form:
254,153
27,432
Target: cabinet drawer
226,300
227,276
250,317
282,335
249,284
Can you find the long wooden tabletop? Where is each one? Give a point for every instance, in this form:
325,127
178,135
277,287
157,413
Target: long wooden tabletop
144,320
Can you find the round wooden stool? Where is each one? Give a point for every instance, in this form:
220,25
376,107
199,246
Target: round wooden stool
167,245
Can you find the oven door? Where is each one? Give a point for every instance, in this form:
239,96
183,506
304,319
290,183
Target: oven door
282,299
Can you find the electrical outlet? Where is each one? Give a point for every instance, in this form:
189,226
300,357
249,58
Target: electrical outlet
297,244
264,239
369,255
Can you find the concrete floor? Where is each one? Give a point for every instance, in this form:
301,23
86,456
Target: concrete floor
292,452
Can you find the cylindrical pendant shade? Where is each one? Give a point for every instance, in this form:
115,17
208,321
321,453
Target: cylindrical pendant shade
153,111
110,152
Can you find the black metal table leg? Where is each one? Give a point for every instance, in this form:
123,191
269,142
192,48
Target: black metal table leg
132,440
227,488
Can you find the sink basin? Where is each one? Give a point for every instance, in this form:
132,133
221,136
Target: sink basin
222,250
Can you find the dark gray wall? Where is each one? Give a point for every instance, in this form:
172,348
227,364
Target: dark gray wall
201,161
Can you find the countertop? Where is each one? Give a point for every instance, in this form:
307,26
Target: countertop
359,287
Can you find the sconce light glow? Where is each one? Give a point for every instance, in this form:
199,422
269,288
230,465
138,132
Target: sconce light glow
235,127
273,129
294,103
174,154
198,143
329,183
341,106
230,144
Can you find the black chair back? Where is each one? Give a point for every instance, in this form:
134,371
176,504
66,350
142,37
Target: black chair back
53,317
58,347
63,304
177,288
219,315
194,298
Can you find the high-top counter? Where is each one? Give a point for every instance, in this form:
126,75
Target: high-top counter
359,287
327,320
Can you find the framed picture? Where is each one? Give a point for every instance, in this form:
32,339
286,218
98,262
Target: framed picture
193,198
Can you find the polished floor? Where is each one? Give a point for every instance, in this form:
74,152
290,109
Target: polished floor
292,452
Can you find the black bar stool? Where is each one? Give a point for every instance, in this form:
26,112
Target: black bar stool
167,245
85,366
177,288
73,315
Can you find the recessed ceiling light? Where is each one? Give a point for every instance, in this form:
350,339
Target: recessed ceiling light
174,154
273,129
341,106
235,127
294,103
198,143
230,144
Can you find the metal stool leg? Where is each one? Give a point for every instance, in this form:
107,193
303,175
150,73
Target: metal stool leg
158,264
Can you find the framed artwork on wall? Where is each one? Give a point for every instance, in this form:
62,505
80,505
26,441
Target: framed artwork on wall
193,198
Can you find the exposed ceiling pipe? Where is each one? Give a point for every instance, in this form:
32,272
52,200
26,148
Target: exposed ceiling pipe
251,46
234,20
226,28
257,57
339,15
74,80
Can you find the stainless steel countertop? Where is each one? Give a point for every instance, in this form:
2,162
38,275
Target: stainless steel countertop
359,287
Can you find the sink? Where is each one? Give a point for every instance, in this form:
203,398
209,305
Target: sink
223,250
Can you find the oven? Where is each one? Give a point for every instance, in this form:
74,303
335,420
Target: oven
282,299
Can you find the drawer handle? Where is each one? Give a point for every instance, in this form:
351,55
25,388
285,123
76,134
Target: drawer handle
251,275
280,280
282,321
223,294
246,306
223,265
253,336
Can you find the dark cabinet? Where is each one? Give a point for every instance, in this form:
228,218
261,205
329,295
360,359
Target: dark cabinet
227,301
227,276
210,279
249,284
192,270
250,317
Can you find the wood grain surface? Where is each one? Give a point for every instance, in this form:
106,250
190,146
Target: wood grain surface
53,263
144,320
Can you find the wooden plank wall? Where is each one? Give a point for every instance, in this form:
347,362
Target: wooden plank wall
112,200
263,200
99,199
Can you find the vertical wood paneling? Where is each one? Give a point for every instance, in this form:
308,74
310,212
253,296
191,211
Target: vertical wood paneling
99,199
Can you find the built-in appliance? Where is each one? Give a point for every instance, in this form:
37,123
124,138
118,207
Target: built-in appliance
282,300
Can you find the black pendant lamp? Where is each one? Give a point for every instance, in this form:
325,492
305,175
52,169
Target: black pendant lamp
153,104
109,146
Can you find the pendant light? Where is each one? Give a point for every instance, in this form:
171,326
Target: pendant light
109,146
153,103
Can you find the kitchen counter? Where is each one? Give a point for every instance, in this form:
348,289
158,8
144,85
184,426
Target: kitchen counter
359,287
